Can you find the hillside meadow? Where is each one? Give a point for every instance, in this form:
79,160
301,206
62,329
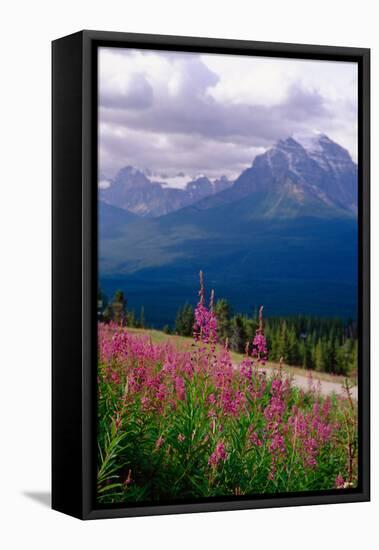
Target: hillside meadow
182,418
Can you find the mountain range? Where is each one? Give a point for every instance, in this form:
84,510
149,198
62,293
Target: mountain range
284,233
135,190
316,170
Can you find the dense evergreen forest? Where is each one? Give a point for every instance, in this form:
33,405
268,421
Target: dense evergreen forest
327,345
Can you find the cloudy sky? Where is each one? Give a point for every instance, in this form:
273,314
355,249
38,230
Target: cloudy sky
212,114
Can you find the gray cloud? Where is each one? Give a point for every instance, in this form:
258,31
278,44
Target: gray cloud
179,126
179,153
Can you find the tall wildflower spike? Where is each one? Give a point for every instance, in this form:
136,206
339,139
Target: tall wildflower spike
261,326
259,342
211,302
205,325
201,290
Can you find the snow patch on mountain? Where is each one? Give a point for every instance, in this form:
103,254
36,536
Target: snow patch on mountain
310,141
175,182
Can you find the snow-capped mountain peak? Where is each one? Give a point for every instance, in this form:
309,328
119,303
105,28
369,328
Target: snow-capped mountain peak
310,141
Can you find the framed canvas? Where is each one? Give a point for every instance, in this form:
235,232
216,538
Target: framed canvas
210,275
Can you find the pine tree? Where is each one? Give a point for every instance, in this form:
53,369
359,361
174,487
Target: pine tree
184,320
130,319
353,360
222,311
118,307
238,337
319,356
308,363
119,296
282,341
292,347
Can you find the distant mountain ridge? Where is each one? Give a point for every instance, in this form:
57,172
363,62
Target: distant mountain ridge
136,191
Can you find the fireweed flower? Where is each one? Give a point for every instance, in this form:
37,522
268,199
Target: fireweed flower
218,455
159,442
310,448
277,444
276,387
311,431
254,439
120,345
115,377
259,342
180,387
162,392
211,399
340,483
232,402
247,368
275,409
145,402
205,325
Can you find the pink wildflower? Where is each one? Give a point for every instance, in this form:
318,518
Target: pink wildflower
277,444
115,377
211,399
219,454
254,439
340,483
247,368
274,409
159,442
205,325
145,402
162,392
259,342
180,387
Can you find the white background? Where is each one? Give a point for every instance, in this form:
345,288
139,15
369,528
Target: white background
26,31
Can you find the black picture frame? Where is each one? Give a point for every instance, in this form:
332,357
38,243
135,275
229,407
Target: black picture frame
74,268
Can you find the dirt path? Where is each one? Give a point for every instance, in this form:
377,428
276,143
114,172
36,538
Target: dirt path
326,387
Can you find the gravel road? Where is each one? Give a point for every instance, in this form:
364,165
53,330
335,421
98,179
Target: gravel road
326,387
